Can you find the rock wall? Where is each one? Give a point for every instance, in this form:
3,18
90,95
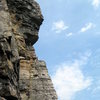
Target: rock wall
22,75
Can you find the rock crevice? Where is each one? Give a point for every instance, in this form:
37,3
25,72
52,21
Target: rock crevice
22,75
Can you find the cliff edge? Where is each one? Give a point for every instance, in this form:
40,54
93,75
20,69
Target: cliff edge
22,75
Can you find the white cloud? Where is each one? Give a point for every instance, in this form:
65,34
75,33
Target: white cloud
96,88
59,26
69,34
96,3
87,27
69,79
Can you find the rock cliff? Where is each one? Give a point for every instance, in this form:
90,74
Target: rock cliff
22,75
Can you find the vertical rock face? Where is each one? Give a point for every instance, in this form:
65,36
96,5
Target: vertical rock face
22,75
9,57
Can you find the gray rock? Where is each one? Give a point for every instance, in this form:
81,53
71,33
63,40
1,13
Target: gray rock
22,75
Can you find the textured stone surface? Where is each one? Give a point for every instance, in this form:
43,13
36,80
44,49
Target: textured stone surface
22,75
9,58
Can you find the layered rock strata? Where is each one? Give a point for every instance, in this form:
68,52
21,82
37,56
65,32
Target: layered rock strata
22,75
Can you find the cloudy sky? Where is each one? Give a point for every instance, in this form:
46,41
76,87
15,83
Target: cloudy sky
70,44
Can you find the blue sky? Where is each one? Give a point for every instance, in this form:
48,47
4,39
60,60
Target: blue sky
69,43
